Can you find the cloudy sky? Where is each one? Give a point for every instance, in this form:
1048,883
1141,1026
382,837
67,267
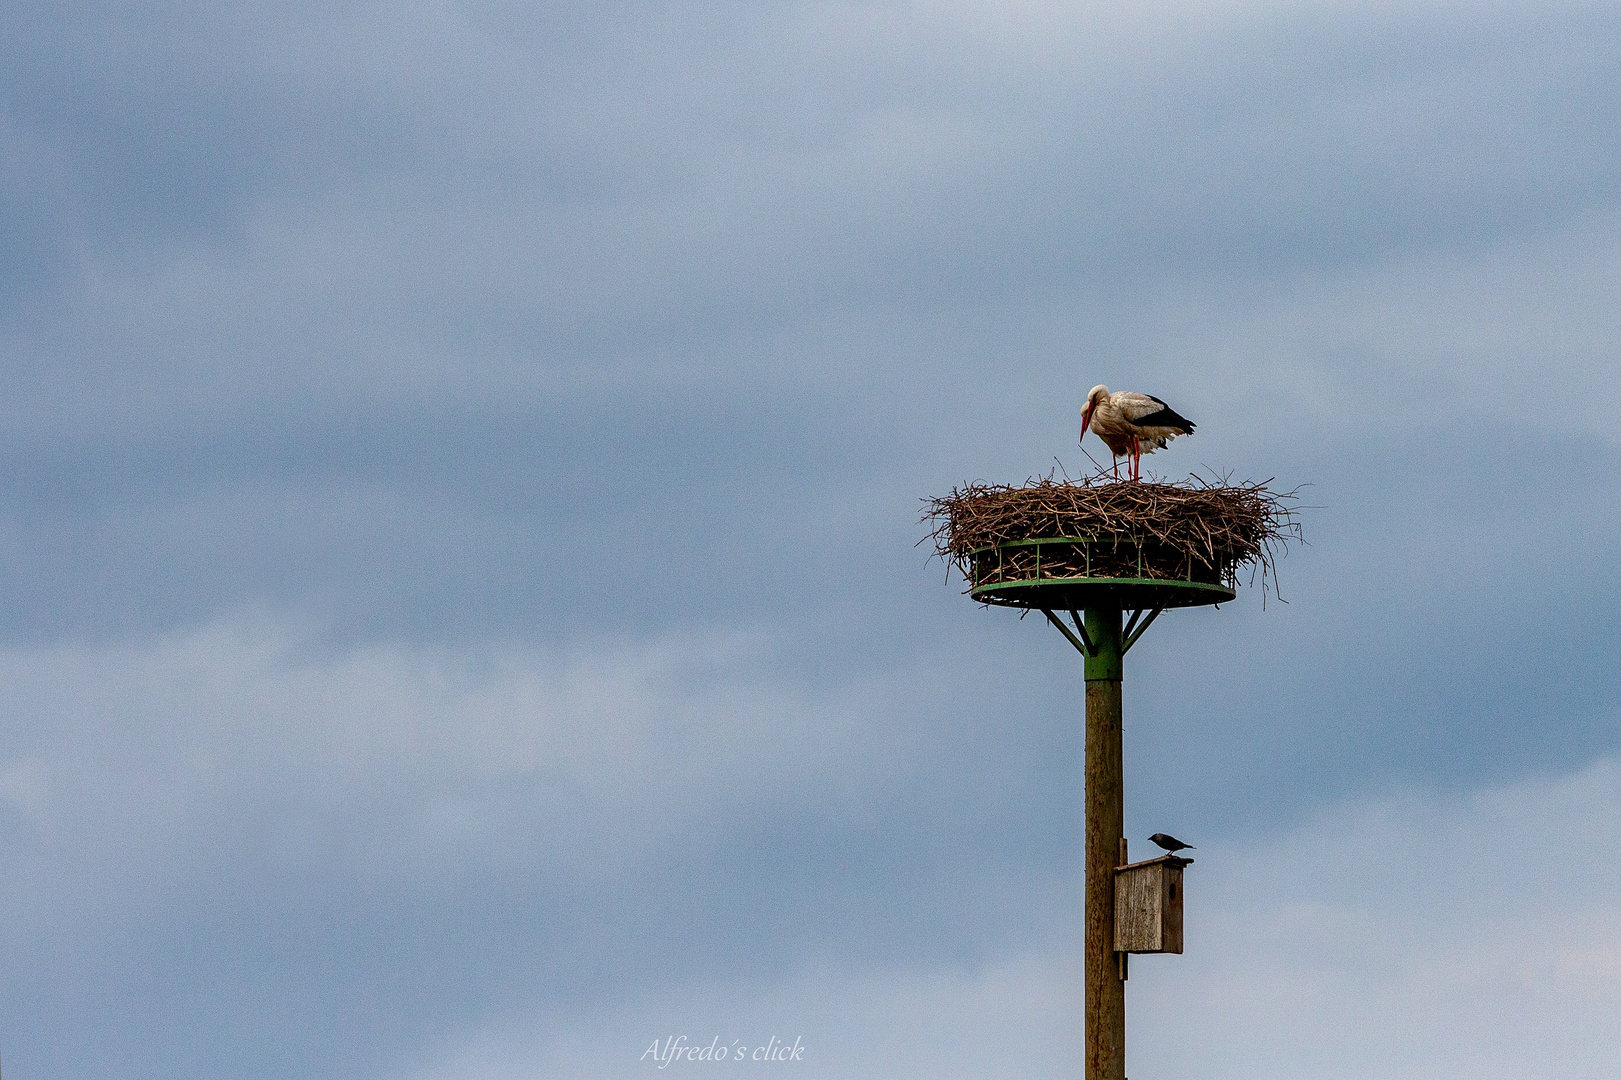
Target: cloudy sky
459,477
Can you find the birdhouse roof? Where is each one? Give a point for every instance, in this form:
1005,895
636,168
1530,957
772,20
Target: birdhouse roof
1168,860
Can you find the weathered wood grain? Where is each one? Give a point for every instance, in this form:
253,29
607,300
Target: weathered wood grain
1148,906
1105,814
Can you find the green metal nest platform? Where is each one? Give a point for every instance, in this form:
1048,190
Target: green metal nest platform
1068,594
1015,573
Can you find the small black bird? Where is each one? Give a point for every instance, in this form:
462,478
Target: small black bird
1170,843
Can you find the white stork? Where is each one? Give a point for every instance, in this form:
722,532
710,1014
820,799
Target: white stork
1131,424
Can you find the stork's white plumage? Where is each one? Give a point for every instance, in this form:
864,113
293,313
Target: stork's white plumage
1131,424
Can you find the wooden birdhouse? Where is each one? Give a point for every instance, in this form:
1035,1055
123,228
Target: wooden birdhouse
1148,906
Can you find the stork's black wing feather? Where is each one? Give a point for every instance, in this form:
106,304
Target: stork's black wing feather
1166,417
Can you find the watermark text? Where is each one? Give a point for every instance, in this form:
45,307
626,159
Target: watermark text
680,1048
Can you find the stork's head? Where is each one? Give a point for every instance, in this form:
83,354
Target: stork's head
1093,400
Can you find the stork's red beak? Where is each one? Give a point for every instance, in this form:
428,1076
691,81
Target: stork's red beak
1086,421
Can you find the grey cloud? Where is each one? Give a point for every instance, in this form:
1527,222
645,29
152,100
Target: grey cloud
288,861
1379,931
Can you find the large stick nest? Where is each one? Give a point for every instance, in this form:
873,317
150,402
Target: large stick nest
1196,530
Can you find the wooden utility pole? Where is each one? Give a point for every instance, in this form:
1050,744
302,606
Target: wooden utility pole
1105,821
